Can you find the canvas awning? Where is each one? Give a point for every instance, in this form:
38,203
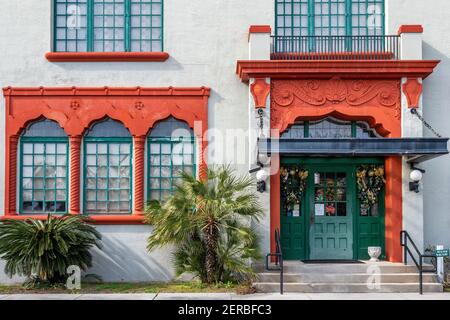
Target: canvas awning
416,149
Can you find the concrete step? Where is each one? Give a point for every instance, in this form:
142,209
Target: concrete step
332,268
345,288
268,277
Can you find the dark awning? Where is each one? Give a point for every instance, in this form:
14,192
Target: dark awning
416,149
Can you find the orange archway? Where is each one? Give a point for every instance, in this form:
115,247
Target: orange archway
76,108
376,101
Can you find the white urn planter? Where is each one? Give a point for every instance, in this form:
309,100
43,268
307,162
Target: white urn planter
374,253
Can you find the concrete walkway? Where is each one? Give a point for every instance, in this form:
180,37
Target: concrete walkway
232,296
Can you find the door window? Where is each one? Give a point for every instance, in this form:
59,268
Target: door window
330,190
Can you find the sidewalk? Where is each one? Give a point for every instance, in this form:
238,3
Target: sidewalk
232,296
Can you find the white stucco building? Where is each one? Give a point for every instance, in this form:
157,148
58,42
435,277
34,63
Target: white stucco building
82,75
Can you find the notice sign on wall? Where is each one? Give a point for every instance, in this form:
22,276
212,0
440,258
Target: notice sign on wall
442,253
319,209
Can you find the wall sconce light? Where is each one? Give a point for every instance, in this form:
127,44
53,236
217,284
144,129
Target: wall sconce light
261,177
263,159
415,176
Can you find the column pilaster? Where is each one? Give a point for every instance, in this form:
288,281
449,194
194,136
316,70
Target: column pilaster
75,173
139,159
12,181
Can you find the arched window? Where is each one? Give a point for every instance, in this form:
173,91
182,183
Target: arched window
329,128
43,168
171,151
107,163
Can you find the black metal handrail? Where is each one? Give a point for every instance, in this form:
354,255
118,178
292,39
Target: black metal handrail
278,255
335,47
404,238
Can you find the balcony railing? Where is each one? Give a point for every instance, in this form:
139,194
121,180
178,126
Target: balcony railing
335,48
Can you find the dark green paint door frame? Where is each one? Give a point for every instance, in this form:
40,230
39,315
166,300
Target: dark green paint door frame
367,228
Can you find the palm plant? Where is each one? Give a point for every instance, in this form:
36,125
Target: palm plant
207,220
42,250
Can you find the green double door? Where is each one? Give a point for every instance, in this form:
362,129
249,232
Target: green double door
328,223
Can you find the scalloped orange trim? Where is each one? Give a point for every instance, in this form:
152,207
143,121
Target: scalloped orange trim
76,108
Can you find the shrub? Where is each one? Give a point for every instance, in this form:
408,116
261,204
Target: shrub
207,221
42,250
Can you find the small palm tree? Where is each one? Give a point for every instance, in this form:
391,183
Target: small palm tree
206,220
42,250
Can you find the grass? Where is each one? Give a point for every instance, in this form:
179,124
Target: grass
171,287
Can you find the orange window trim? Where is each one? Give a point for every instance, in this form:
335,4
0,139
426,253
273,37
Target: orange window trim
106,56
76,108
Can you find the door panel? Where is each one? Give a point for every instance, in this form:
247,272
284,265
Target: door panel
292,237
370,229
292,220
331,206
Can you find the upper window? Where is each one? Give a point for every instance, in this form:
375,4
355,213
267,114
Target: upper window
107,176
108,25
329,17
329,128
43,168
170,152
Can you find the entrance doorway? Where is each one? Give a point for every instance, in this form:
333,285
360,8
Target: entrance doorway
331,205
327,222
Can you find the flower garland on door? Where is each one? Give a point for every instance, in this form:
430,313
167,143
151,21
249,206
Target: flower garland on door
293,185
370,180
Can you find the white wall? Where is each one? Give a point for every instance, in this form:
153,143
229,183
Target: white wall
204,40
434,16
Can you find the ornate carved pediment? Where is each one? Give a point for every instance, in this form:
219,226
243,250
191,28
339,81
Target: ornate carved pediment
376,101
75,109
335,91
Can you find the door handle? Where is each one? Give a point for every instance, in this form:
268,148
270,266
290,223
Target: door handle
311,219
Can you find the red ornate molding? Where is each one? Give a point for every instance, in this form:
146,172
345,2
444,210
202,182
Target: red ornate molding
260,90
326,69
139,147
410,28
106,56
412,88
75,109
75,173
260,29
11,174
374,101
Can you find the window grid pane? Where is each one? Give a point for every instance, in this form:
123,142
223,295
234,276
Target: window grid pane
167,159
43,176
70,25
367,17
329,17
146,25
330,128
108,177
108,25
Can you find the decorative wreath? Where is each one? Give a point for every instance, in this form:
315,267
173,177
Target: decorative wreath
370,180
293,184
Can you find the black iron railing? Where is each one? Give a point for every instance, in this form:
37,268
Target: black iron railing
404,239
278,255
335,48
